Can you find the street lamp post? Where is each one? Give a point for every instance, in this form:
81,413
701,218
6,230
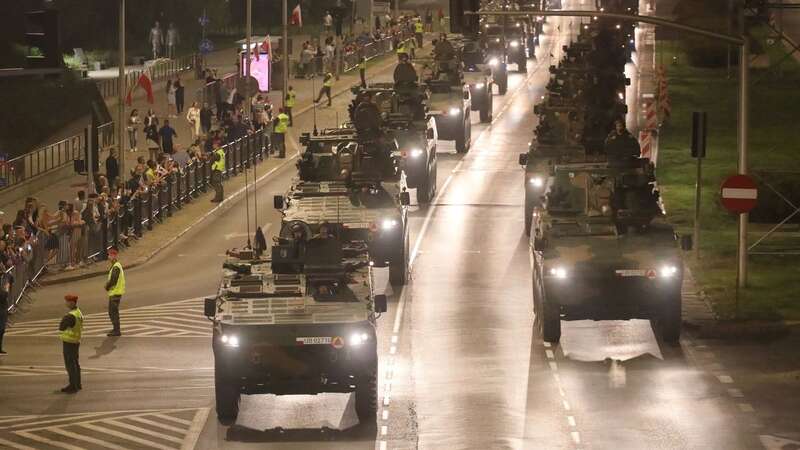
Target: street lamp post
248,55
121,87
285,48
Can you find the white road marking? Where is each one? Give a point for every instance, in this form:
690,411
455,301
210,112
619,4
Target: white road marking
385,415
576,437
384,430
46,441
736,393
553,366
725,379
14,445
746,407
571,421
550,354
566,405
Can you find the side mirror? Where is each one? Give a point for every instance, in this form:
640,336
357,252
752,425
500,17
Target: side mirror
539,244
277,201
210,307
429,133
405,198
380,304
523,159
686,243
627,81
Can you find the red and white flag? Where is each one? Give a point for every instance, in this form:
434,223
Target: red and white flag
266,46
146,84
297,17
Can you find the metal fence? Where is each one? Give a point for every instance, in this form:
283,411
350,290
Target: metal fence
52,156
161,70
29,264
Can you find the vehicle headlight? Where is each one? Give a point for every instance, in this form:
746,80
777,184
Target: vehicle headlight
388,224
230,340
479,85
536,181
515,43
455,111
494,62
497,39
416,153
558,272
668,271
357,339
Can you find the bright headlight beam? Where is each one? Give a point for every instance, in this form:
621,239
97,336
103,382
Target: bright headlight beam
479,85
558,272
357,339
536,182
455,111
416,153
514,44
668,271
388,224
494,62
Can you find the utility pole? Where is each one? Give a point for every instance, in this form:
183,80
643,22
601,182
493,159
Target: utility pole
121,87
249,55
285,48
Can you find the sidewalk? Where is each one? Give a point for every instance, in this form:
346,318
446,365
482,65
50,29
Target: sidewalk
182,221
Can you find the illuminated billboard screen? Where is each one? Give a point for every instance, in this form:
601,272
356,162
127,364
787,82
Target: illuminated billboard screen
259,69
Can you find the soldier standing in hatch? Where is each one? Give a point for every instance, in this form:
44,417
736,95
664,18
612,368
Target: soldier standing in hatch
70,330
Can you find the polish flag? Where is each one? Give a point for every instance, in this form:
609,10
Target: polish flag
146,84
297,17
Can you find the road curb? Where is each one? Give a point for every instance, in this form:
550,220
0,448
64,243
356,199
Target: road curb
740,329
228,201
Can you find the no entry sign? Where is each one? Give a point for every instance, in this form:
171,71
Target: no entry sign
739,194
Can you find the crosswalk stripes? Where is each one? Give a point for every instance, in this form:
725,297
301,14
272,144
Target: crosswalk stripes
183,318
12,371
164,429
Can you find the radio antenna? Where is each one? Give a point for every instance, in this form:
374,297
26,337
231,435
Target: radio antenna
247,205
314,89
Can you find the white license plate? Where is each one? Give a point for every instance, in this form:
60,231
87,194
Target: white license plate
315,340
630,273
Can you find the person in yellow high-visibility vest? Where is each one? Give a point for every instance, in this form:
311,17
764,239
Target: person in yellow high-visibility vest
402,53
362,71
291,100
69,331
327,83
217,169
279,133
115,286
419,28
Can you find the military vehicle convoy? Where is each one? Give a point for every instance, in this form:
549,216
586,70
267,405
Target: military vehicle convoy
404,116
600,247
354,180
585,94
299,320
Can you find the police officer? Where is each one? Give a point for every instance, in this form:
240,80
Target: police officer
418,30
327,83
402,52
279,133
362,71
217,169
291,100
70,330
115,286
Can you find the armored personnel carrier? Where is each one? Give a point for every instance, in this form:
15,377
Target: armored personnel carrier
402,107
300,320
505,41
479,76
450,98
353,180
601,250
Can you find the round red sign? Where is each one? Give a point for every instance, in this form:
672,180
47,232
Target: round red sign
739,194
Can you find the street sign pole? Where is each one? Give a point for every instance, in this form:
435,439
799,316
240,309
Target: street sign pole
699,129
248,55
744,100
697,191
285,48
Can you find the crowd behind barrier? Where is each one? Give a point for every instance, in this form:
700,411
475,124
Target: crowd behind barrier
116,214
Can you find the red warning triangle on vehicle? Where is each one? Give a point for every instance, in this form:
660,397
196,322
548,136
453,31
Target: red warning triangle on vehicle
338,342
651,274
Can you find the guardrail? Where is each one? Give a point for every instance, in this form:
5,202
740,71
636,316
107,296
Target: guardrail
52,156
162,69
30,263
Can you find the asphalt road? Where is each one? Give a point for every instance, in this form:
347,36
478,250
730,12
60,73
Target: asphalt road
460,366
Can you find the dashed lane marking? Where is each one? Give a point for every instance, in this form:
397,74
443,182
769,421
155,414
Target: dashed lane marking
183,318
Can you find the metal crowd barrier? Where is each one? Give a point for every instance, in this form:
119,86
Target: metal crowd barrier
161,70
26,270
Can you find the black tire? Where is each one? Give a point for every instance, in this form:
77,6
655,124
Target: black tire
227,399
502,82
367,397
522,67
528,217
486,111
551,322
424,191
398,266
462,144
670,321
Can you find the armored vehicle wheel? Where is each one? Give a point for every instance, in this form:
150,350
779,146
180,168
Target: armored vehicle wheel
367,397
486,111
528,217
228,396
464,140
502,80
398,266
424,193
551,322
670,320
522,67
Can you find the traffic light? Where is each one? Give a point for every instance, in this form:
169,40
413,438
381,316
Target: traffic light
41,33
